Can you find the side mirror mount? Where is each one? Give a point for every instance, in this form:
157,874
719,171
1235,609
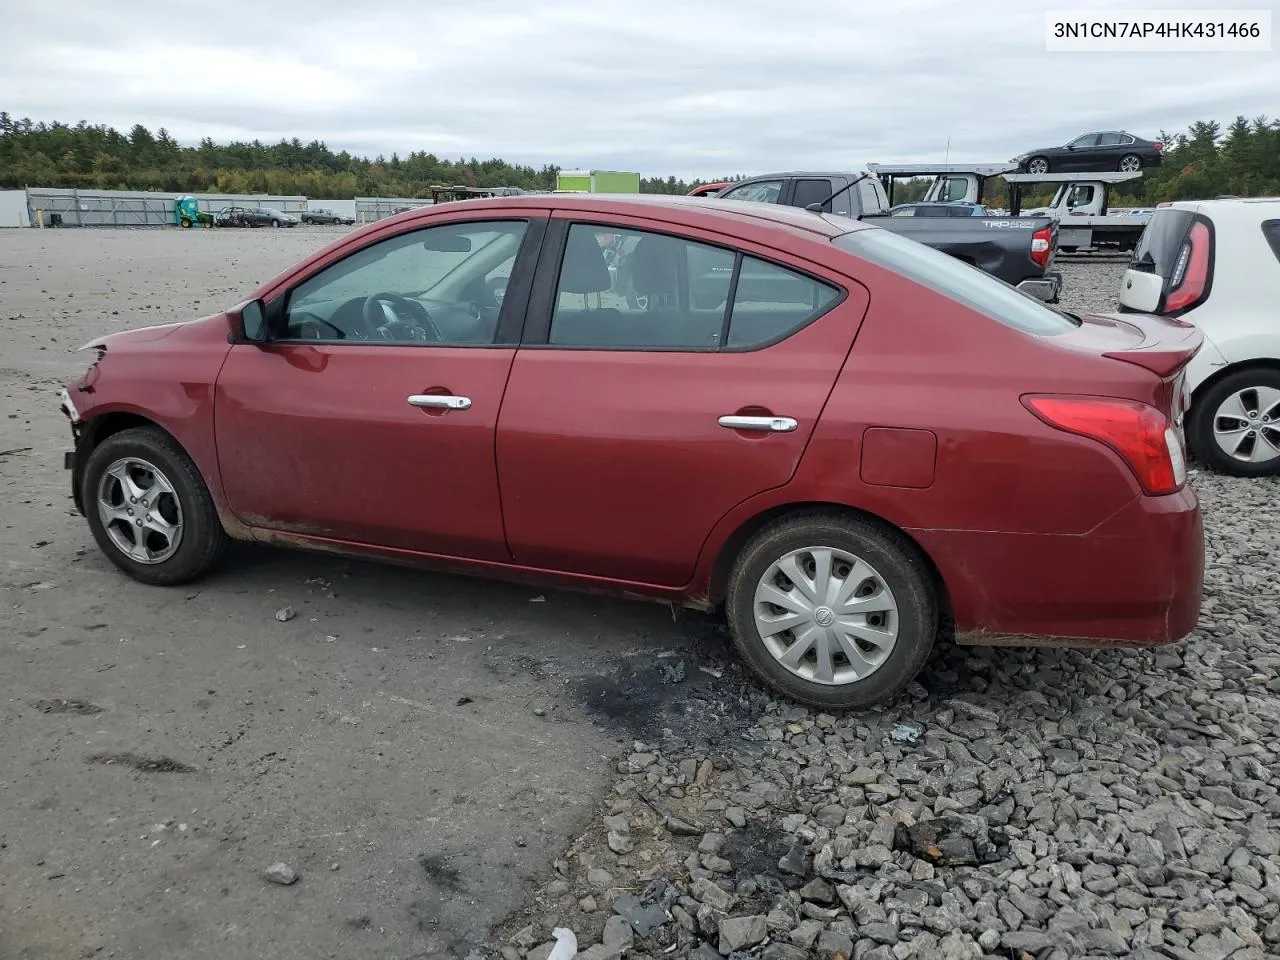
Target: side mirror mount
444,242
251,318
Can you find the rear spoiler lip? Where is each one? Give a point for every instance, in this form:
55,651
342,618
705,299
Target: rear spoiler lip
1164,356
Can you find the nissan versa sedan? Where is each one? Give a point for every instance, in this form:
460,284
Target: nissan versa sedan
842,439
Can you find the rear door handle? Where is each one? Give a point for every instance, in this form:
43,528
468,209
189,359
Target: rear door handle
772,424
442,401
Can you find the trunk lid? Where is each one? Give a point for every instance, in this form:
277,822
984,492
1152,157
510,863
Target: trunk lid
1162,346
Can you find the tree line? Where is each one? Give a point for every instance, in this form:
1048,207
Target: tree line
1203,162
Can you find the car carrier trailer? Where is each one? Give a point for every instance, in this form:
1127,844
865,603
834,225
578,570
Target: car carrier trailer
1080,204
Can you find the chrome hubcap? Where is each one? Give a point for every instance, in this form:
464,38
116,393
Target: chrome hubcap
1038,166
1245,426
140,510
826,615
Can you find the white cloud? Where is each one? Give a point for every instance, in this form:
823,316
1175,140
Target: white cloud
699,88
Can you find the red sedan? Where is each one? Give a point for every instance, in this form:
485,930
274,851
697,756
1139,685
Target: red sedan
840,436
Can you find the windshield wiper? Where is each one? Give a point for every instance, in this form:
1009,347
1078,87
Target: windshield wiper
1146,263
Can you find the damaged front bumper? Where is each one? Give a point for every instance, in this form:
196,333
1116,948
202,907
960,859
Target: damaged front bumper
68,407
69,458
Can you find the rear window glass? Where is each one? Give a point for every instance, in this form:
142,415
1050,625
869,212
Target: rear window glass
1271,230
952,278
1161,239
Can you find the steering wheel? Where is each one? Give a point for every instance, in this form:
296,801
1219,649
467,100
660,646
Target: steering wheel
309,328
412,323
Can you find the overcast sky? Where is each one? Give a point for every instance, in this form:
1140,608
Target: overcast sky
695,88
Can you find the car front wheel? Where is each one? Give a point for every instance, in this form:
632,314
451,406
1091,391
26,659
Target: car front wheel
832,611
1235,425
149,509
1038,165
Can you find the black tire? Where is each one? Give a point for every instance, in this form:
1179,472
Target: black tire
186,223
1048,167
1201,417
898,562
275,223
203,539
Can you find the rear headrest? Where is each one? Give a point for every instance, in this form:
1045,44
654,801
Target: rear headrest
655,265
584,270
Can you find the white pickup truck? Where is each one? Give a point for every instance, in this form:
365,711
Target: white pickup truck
1216,263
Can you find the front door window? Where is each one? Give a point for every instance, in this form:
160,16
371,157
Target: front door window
439,285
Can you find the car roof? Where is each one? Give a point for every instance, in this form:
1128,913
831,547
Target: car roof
728,214
1252,206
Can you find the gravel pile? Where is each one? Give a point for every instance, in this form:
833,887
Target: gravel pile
1013,804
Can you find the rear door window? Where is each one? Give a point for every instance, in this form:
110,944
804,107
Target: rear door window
772,302
813,191
1271,230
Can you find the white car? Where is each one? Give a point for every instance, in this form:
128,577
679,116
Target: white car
1216,263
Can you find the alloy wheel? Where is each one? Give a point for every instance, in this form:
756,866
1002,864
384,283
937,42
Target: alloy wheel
139,510
826,615
1130,164
1246,426
1038,165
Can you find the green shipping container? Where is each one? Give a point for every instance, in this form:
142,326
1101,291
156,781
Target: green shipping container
599,181
574,181
614,181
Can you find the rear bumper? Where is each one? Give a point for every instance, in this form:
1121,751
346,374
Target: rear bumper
1135,581
1046,288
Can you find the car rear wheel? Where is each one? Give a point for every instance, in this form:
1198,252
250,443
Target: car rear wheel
149,509
1038,165
832,611
1235,425
275,223
1130,163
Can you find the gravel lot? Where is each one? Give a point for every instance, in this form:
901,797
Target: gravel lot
455,768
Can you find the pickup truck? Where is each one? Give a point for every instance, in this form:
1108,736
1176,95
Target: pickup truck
1017,250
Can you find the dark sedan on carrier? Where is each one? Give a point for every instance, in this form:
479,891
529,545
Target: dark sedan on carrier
1110,150
837,436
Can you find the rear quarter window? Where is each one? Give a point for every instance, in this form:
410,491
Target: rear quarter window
1161,239
959,281
1271,230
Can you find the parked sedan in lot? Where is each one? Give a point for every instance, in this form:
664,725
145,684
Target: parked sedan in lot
1094,152
947,209
855,440
323,215
253,217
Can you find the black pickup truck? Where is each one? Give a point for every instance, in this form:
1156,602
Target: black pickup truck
1017,250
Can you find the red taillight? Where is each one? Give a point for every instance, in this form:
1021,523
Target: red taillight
1159,146
1190,274
1042,245
1139,433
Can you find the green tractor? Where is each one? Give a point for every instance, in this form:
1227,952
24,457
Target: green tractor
187,213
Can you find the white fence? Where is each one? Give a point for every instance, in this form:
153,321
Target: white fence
57,206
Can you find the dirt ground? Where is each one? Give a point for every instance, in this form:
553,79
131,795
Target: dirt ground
418,748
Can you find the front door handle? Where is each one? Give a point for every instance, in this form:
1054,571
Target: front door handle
772,424
442,401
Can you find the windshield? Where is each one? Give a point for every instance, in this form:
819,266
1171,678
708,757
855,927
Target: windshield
952,278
